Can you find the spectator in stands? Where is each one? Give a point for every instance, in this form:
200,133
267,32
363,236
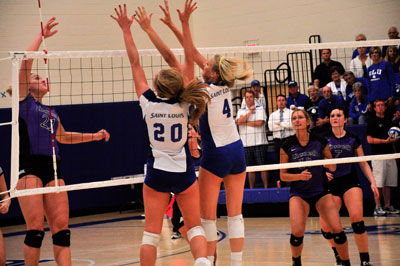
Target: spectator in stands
295,99
251,121
280,124
392,56
322,75
384,171
259,98
393,33
381,77
396,94
350,79
326,105
338,85
359,105
361,63
311,105
360,37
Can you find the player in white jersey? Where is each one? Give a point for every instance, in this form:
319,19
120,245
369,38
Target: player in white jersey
223,153
169,166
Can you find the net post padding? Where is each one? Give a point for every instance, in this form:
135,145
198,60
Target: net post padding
14,174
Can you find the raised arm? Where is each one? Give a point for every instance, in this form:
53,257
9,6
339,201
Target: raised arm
26,65
198,58
144,21
188,67
125,23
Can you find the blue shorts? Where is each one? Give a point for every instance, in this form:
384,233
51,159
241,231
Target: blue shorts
164,181
226,160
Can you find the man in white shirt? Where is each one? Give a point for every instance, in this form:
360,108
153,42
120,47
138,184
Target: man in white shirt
258,97
251,121
280,124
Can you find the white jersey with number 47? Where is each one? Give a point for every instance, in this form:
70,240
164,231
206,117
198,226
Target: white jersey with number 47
217,127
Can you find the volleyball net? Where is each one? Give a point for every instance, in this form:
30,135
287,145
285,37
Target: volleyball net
92,90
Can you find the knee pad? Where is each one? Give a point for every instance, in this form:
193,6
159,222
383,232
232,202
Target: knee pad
236,226
296,240
358,227
62,238
326,235
210,228
339,238
195,231
34,238
151,239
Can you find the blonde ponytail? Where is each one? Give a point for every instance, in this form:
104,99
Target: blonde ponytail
227,67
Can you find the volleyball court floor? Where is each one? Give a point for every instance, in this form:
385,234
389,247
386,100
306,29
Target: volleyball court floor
114,239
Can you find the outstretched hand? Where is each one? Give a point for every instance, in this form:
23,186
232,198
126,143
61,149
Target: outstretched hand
102,134
47,28
122,18
167,16
142,18
190,7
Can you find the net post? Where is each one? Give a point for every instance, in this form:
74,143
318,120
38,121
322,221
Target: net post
16,59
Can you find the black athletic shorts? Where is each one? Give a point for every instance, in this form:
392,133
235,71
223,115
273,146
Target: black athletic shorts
339,185
314,199
40,166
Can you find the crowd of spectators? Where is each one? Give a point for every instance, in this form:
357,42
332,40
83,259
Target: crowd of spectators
372,76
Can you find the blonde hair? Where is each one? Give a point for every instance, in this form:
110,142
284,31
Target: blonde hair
306,114
397,57
227,67
170,84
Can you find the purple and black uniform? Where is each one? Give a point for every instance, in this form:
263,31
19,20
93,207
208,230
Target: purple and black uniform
35,140
345,176
315,187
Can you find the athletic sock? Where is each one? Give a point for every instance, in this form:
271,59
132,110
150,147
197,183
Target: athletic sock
345,262
296,261
364,256
236,258
337,257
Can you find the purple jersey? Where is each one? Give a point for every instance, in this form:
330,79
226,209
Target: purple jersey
341,148
312,151
35,135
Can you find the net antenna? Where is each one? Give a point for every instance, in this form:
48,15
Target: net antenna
53,142
110,68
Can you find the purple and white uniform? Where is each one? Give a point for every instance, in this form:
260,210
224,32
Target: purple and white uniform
35,133
298,153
